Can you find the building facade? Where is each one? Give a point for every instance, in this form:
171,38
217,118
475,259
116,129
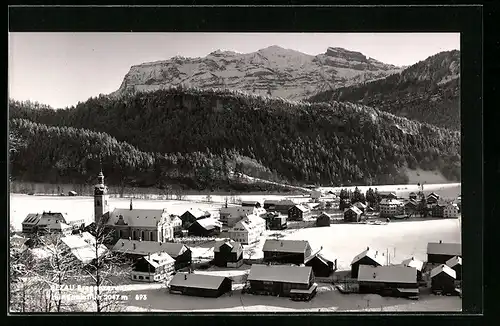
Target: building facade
391,207
398,281
439,253
323,220
248,230
200,285
297,212
286,251
352,214
228,254
443,279
368,257
153,268
450,211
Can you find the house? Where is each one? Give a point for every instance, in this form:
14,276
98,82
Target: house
270,204
248,230
399,281
415,263
439,253
352,214
250,203
321,266
200,285
387,194
229,216
284,281
443,279
84,247
432,199
413,196
52,222
135,249
176,223
455,263
140,224
286,251
191,215
276,221
296,213
451,210
411,207
368,257
153,268
390,207
437,209
361,206
206,227
280,206
228,254
323,219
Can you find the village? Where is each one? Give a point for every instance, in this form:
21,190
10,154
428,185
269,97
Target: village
244,249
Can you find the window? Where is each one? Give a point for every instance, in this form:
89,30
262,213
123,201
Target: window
140,277
151,237
98,202
147,277
142,235
134,277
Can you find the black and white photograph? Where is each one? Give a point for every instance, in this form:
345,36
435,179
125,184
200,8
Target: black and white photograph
234,172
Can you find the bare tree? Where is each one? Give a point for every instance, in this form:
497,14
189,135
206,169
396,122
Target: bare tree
179,194
105,271
208,198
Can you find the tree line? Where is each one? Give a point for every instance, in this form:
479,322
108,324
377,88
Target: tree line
200,137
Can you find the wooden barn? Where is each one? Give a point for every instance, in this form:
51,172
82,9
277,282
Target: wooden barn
276,222
285,281
206,227
440,253
361,206
415,263
411,207
191,215
136,249
368,257
323,219
432,199
296,213
153,268
352,214
321,266
455,263
228,254
443,280
250,203
437,210
397,281
286,251
270,204
200,285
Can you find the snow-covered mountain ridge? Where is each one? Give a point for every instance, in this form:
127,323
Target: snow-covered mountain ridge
272,71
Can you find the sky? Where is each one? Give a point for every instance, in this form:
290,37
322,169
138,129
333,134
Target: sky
61,69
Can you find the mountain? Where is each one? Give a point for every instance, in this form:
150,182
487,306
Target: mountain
428,91
271,71
195,137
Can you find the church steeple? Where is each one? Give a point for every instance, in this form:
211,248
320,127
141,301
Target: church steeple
100,198
131,208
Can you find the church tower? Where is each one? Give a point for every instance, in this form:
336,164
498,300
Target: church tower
100,198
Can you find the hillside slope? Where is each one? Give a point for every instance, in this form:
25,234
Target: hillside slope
428,91
295,141
271,71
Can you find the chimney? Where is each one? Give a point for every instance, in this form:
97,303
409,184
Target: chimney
440,241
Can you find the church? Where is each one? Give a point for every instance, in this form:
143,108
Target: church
132,223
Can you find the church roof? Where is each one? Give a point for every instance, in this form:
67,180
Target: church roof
136,217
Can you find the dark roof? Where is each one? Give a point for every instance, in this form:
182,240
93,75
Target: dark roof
148,247
249,202
197,281
293,246
235,246
452,249
280,273
370,253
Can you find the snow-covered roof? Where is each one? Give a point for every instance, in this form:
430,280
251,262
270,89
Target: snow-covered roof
454,261
209,223
148,247
302,208
359,204
238,211
370,253
390,201
235,246
198,281
47,218
249,222
354,209
197,213
137,217
159,259
413,262
249,202
433,194
389,274
443,269
324,214
320,256
280,273
296,246
82,246
452,249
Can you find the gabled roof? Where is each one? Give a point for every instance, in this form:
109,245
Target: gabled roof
323,214
443,269
301,208
209,223
159,259
32,219
238,211
319,256
370,253
250,202
452,249
280,273
197,213
137,217
249,222
293,246
235,246
82,246
454,261
433,194
197,281
359,204
387,201
271,201
354,209
148,247
388,274
412,262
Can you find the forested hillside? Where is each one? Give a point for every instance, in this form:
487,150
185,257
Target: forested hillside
195,133
428,91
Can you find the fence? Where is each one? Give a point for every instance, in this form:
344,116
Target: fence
194,240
